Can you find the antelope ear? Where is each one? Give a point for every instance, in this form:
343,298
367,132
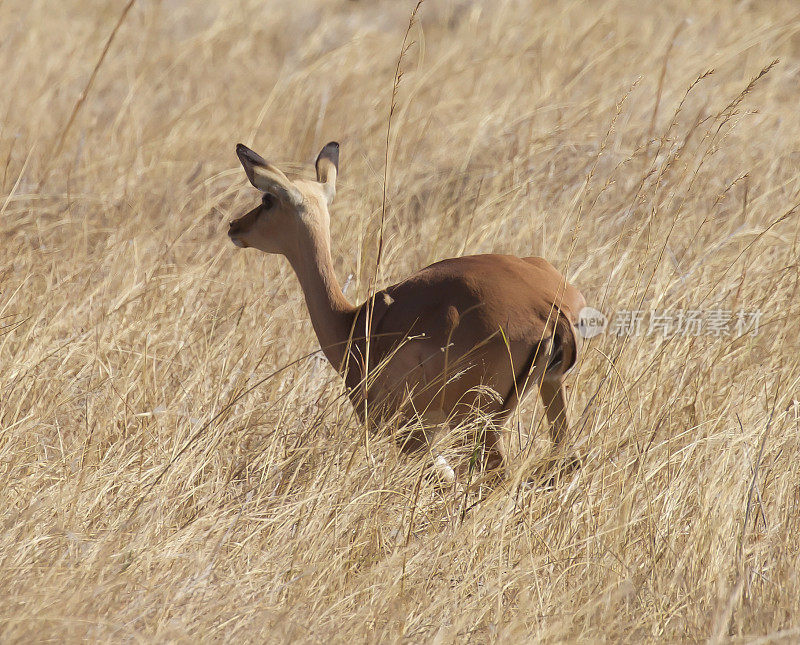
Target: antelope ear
327,165
249,159
267,177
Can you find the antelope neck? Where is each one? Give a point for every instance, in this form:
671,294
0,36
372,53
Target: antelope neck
331,313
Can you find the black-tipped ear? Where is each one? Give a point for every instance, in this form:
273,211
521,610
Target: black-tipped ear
266,177
249,160
329,153
248,156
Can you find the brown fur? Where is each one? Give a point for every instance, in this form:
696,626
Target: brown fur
464,334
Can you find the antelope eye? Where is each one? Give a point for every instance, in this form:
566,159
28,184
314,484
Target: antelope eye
267,200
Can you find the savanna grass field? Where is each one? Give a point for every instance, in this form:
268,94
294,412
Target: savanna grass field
178,463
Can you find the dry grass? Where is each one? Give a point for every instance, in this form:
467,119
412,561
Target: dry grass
150,492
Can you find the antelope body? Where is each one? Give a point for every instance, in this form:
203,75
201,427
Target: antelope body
462,335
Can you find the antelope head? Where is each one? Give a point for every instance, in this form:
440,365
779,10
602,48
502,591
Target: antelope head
292,213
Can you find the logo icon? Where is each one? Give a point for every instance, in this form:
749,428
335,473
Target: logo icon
591,322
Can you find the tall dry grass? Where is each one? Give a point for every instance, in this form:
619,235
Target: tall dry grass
177,466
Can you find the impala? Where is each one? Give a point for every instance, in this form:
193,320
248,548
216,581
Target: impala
461,337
